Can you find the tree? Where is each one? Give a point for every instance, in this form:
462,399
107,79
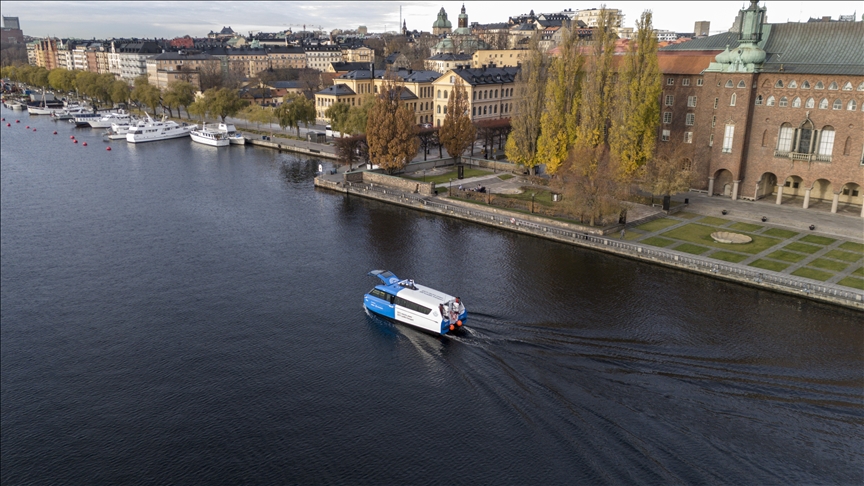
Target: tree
636,113
359,115
590,184
351,149
62,79
391,133
338,115
561,113
667,172
296,109
530,86
198,108
146,94
120,91
457,132
179,93
222,102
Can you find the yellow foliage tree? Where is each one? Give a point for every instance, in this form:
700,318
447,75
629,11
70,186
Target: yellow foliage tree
390,130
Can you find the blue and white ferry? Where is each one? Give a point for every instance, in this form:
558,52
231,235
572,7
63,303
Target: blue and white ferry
415,305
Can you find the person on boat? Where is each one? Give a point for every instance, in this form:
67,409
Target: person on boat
459,307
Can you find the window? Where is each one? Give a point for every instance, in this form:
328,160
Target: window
667,117
783,102
445,94
439,93
838,105
699,82
691,119
732,100
670,81
819,85
473,111
691,101
793,84
728,135
665,136
796,103
810,103
688,137
847,86
805,85
729,84
445,108
851,106
770,101
823,105
826,141
713,121
711,140
452,79
833,86
685,82
779,83
669,100
784,140
741,84
759,100
716,101
861,86
474,95
439,109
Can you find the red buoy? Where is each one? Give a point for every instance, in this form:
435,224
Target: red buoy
27,127
8,125
34,129
17,121
55,132
75,141
71,137
108,148
3,119
84,144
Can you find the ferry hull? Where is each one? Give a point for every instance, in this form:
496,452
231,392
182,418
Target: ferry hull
392,313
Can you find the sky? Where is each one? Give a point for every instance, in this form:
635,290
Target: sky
169,19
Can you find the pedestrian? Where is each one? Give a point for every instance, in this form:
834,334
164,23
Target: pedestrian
622,232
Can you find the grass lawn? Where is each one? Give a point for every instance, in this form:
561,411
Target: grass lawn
505,177
444,178
713,221
779,233
855,283
701,235
692,249
769,265
802,248
852,246
859,272
630,235
814,274
787,256
827,264
686,215
657,241
843,255
728,256
657,224
819,240
745,227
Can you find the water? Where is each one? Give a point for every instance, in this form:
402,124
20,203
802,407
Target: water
174,314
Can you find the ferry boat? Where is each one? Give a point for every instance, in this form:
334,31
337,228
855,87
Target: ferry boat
235,137
150,130
209,136
418,306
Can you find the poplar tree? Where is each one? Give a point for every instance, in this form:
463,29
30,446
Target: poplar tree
390,130
457,133
561,113
633,131
338,115
530,87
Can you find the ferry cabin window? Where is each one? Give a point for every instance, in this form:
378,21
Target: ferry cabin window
380,294
413,306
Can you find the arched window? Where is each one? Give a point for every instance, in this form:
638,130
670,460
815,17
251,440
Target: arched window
439,109
741,84
851,106
847,146
732,100
759,100
819,85
779,83
439,93
823,105
826,141
785,138
810,103
847,86
796,103
833,85
805,85
861,86
473,95
473,111
764,137
805,138
783,102
484,110
445,94
838,105
770,101
445,108
495,109
729,84
792,84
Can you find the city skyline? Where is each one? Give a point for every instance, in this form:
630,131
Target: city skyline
171,19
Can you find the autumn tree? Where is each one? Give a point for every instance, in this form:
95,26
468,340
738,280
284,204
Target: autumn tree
560,118
457,132
222,102
351,149
296,109
636,113
338,115
179,93
120,91
390,130
358,115
530,88
143,93
667,172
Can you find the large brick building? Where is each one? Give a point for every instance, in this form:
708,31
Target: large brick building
773,110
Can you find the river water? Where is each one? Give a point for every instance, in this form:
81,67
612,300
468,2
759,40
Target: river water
175,314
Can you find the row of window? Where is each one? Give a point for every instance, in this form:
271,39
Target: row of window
669,100
805,139
689,120
684,82
806,85
852,105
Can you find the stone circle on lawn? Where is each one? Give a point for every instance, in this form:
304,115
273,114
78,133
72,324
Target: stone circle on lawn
731,238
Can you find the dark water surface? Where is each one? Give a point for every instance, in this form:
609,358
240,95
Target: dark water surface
177,314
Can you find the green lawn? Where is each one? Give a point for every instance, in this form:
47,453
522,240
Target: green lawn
701,235
505,177
843,255
444,178
855,283
633,235
657,241
691,248
686,215
713,221
745,227
852,246
728,256
827,264
802,247
814,274
859,272
779,233
819,240
769,265
657,224
787,256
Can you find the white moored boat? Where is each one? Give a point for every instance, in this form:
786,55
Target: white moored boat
209,136
118,131
406,302
15,105
108,119
234,136
83,119
68,113
150,130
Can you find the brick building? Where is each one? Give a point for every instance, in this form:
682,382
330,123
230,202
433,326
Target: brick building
770,111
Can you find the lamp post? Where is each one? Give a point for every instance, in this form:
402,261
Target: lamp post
532,202
450,190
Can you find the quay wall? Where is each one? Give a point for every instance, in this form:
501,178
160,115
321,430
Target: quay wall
291,148
764,279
